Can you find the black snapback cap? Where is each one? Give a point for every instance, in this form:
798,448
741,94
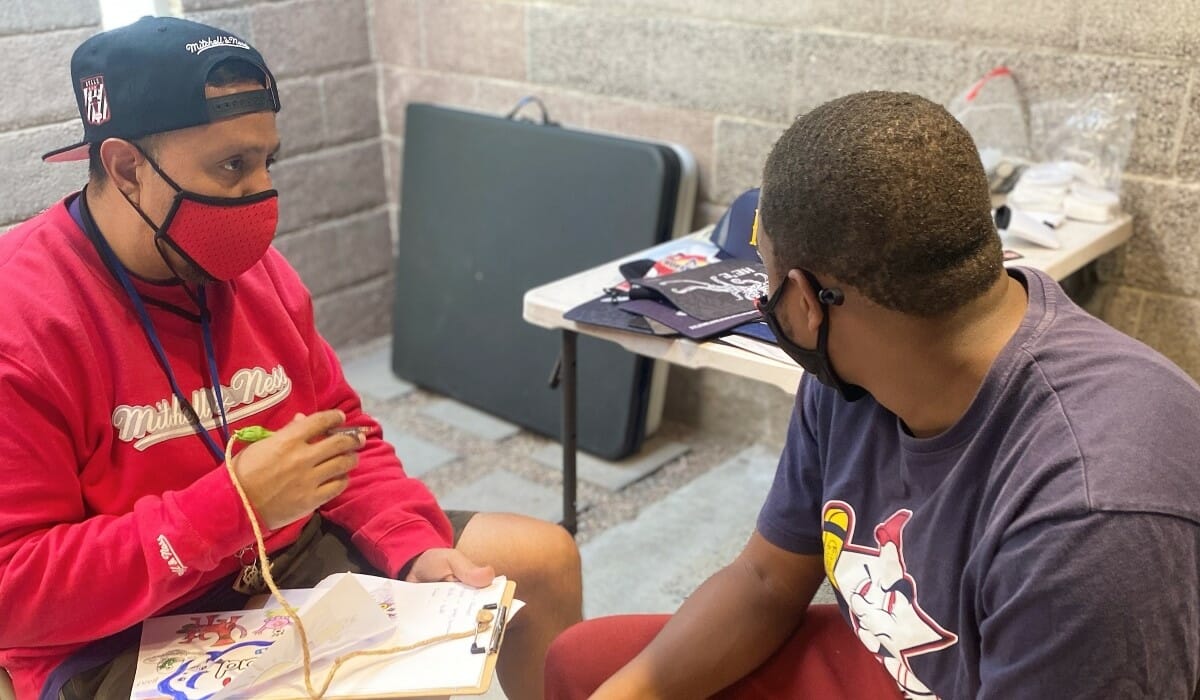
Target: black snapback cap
148,77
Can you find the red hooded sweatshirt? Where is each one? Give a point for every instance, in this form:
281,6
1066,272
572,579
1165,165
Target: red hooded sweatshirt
112,509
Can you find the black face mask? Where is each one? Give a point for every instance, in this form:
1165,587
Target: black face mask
815,362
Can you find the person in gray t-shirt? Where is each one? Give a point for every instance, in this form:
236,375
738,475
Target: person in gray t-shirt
1003,491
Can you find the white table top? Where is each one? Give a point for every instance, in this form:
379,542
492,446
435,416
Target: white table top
545,305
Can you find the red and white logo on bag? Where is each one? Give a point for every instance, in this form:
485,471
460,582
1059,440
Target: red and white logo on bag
95,100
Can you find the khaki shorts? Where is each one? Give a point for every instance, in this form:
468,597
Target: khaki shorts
322,549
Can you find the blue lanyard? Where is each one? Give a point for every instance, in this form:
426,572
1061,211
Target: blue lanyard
161,355
210,354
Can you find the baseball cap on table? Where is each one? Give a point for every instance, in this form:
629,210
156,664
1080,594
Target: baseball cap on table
148,77
734,230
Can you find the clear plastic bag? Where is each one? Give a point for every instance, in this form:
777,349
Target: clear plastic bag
1093,130
993,112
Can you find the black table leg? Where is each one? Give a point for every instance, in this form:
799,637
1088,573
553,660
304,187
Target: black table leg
568,377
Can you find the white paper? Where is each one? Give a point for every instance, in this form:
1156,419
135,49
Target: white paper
256,653
342,618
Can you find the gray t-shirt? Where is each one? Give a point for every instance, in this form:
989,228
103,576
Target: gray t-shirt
1045,546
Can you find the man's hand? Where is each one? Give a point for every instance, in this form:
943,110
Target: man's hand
448,565
298,469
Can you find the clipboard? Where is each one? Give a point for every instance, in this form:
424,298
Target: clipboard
492,650
362,677
492,647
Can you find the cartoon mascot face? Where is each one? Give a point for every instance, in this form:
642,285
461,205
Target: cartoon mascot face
880,594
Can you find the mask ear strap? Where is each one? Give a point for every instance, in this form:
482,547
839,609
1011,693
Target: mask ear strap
153,226
823,335
164,176
827,296
159,242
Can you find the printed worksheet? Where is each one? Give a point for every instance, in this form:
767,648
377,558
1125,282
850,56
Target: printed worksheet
257,653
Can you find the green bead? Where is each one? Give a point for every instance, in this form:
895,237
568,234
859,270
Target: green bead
252,433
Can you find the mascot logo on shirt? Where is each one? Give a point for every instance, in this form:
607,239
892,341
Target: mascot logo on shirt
881,595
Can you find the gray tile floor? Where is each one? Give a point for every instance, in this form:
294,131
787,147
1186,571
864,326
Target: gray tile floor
651,527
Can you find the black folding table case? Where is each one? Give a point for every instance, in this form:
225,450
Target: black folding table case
491,207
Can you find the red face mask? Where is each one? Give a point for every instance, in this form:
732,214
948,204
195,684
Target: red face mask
220,236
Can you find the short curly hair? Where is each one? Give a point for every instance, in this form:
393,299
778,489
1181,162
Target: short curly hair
885,192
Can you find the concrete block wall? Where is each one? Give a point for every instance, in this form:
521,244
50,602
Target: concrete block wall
724,78
37,105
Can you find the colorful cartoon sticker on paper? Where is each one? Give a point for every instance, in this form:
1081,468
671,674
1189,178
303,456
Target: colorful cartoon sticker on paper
277,621
222,628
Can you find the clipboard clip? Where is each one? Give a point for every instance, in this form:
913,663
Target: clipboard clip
486,620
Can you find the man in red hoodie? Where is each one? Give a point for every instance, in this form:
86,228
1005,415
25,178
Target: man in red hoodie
148,318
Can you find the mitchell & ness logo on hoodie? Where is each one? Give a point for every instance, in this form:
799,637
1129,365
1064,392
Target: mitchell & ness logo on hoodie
250,391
